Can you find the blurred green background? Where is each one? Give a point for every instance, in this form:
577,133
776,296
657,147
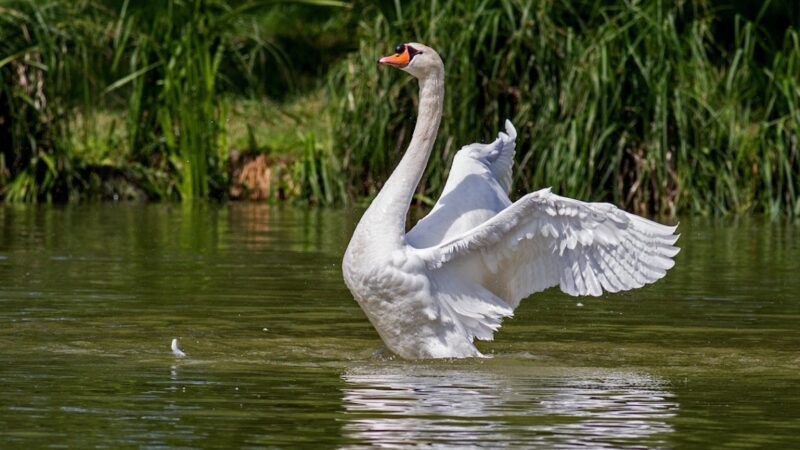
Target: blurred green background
661,106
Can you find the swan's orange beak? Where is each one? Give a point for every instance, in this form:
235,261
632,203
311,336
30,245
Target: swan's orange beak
400,59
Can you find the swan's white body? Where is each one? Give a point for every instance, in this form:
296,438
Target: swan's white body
470,261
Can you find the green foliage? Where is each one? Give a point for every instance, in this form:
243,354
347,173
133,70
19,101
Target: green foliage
35,157
634,102
67,65
316,173
662,106
173,54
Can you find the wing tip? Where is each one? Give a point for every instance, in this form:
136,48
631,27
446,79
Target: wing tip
511,132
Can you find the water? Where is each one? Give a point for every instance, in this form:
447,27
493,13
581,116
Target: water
280,356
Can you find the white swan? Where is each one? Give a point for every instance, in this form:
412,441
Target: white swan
470,261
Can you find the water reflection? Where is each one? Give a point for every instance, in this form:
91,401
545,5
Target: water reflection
458,408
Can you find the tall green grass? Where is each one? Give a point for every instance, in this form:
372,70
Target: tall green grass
173,53
637,102
64,64
662,106
35,158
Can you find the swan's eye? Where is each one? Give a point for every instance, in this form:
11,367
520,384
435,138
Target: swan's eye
400,48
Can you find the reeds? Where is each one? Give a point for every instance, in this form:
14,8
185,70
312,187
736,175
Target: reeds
172,53
62,63
644,103
633,102
36,161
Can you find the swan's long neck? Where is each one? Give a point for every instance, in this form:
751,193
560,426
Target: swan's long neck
389,209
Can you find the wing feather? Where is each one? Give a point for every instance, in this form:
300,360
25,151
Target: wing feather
502,162
545,240
476,189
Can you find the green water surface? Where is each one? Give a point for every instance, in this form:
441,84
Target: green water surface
280,356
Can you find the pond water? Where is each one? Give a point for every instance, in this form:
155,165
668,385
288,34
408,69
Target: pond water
280,356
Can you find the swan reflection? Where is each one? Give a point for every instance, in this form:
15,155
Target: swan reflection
452,407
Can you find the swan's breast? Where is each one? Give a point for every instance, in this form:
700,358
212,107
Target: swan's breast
397,292
373,276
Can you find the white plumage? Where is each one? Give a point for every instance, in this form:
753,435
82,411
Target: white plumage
470,261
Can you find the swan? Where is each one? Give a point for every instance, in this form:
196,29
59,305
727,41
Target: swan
431,291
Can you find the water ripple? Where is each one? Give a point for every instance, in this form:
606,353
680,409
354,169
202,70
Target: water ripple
406,406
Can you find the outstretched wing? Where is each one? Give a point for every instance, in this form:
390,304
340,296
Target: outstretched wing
545,240
476,190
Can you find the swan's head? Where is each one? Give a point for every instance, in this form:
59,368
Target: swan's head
419,60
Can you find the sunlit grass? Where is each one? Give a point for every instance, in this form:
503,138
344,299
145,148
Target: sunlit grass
66,66
294,133
632,102
640,103
277,127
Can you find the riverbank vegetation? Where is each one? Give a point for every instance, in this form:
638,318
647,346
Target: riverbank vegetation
661,106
